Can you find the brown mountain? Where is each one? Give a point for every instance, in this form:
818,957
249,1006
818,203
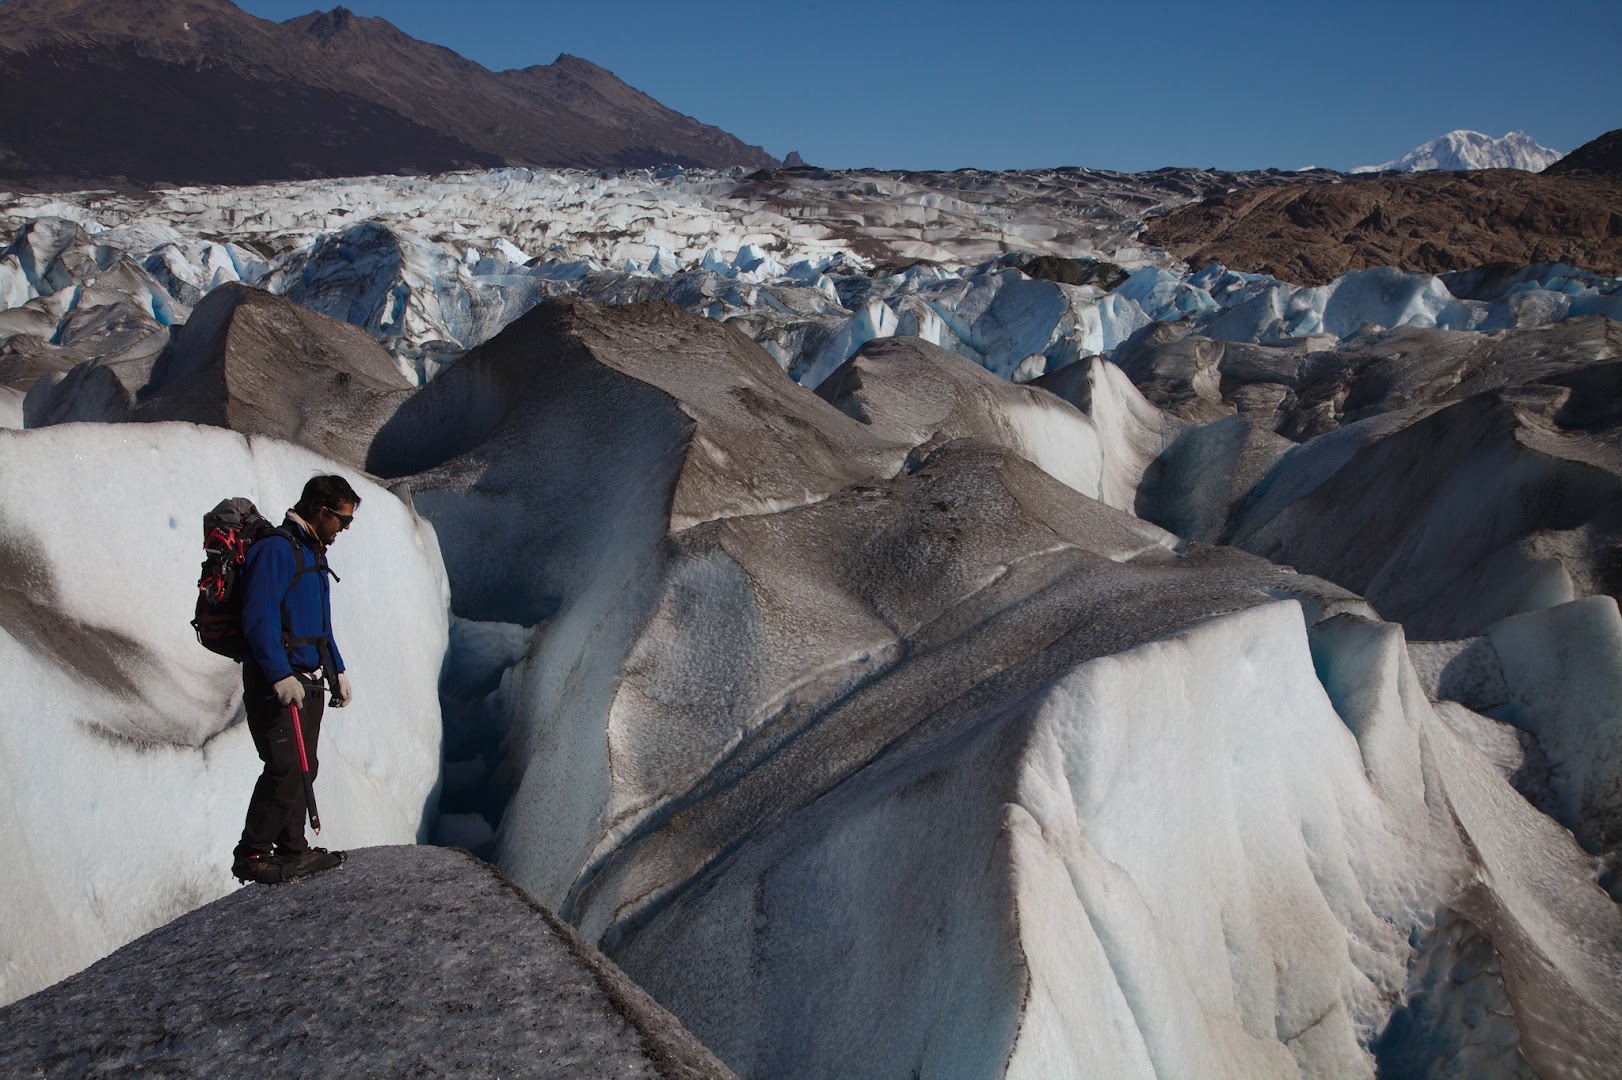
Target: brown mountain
1314,231
199,91
1602,155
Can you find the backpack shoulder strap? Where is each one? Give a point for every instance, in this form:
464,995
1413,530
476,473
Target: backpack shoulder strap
301,557
304,565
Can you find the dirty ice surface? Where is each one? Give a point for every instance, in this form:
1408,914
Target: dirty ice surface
406,961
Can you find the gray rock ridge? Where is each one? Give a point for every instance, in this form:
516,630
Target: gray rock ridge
923,396
946,594
734,855
405,960
1477,472
1306,387
1504,502
246,360
1431,222
761,440
1537,693
262,365
25,358
555,461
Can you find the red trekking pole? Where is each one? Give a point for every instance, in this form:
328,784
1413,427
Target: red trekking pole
304,766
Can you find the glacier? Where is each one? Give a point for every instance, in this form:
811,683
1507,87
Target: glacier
904,649
918,638
433,267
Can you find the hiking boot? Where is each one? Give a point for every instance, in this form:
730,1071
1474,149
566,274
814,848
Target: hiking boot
259,869
309,861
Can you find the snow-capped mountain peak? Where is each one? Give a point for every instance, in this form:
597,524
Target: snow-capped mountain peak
1458,150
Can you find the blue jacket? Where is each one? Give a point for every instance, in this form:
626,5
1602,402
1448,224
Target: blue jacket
272,600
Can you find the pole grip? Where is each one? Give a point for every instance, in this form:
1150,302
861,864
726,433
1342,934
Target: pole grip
298,737
304,767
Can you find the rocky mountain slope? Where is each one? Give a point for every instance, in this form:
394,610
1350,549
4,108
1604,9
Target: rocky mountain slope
1603,155
328,94
1430,222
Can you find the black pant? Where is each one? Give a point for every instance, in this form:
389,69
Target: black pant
276,810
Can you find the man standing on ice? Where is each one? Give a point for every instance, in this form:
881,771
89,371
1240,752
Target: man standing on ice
287,621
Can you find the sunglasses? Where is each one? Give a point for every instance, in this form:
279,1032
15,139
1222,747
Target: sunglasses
343,519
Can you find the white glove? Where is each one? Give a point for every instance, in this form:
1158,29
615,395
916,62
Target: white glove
343,695
290,691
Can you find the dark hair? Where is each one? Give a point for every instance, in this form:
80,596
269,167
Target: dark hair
329,491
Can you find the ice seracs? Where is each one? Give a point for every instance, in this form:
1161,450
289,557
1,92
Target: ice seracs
432,267
723,737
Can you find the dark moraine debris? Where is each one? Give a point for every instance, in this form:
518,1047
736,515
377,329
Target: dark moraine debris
1105,275
408,961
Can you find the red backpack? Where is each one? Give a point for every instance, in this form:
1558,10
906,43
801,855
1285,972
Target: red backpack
229,530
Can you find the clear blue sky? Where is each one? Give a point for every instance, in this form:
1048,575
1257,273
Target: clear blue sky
1027,83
